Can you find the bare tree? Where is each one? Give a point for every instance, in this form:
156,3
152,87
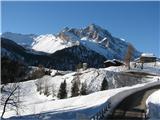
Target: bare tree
39,84
53,91
10,97
46,89
75,89
128,56
13,72
38,73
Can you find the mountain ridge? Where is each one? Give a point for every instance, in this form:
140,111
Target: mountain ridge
93,37
65,59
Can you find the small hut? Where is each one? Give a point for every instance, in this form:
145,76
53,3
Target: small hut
146,58
113,62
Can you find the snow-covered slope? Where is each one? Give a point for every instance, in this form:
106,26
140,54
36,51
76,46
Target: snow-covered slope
50,43
153,105
21,39
46,43
65,59
92,37
98,39
35,106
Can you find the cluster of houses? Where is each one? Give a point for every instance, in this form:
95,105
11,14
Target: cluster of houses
144,58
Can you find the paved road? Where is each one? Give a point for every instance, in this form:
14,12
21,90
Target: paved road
133,107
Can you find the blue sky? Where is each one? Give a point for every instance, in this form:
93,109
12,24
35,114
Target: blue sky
137,22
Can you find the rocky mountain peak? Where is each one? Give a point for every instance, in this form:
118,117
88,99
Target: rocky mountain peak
92,31
93,27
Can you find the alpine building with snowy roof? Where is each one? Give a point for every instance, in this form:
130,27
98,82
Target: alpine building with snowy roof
113,62
146,58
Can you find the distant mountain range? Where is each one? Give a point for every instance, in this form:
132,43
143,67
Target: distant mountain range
92,45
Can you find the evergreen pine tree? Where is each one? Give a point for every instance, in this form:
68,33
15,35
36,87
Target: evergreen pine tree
83,89
62,91
104,85
75,89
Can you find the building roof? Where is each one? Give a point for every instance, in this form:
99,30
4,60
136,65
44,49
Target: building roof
147,55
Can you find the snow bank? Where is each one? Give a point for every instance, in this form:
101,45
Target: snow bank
70,108
151,68
153,105
35,104
115,100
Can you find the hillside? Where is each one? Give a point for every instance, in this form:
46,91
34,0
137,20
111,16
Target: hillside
38,105
65,59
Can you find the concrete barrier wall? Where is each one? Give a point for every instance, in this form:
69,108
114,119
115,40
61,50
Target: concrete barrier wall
112,102
116,99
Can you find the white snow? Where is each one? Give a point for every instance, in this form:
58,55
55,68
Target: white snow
109,61
34,103
92,44
151,68
122,39
147,55
153,105
49,43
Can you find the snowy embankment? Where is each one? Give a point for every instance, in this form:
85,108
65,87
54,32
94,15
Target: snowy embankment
153,105
37,106
150,68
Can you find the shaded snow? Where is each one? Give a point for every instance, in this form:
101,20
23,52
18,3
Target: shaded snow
34,103
21,39
69,108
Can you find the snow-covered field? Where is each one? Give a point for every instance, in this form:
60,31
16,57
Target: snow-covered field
153,105
151,68
36,106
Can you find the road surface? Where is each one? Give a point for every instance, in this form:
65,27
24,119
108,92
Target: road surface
133,107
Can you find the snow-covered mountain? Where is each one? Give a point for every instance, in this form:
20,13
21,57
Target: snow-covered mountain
92,37
25,40
65,59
